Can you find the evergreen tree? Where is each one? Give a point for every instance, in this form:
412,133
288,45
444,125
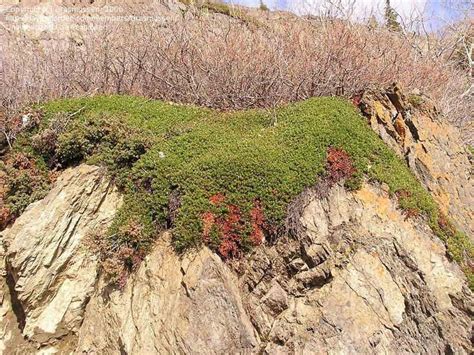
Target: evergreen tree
391,18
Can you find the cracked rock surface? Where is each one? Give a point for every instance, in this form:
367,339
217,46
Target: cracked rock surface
49,274
358,277
432,148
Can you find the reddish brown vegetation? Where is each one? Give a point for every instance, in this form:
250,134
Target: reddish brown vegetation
120,254
208,221
229,227
403,194
445,225
21,182
217,199
411,213
6,217
338,166
21,162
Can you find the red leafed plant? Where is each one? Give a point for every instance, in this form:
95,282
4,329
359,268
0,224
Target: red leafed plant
338,165
230,227
208,221
217,199
5,217
445,225
411,213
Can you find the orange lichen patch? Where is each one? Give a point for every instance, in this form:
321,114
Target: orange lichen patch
382,114
381,203
400,128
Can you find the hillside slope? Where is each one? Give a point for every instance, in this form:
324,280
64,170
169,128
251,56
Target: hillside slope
289,230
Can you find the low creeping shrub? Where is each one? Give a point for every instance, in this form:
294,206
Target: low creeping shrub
339,165
225,179
24,183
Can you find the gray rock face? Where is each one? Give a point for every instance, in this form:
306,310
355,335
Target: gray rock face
358,278
49,273
433,149
172,305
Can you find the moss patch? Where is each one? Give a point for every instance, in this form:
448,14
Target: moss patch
243,168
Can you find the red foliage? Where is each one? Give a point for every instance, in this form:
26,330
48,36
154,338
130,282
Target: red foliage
229,248
232,223
230,227
338,166
208,220
217,199
22,162
411,213
356,99
5,217
130,259
445,225
403,193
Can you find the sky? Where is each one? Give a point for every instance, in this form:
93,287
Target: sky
436,12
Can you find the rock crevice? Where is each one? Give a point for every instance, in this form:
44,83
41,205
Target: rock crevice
356,277
432,148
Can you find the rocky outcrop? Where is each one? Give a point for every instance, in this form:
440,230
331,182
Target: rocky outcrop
357,277
172,305
412,126
49,274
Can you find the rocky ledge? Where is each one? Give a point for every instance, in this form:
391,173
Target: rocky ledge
413,127
359,277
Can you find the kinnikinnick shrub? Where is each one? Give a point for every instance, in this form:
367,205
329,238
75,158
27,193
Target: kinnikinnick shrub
25,183
222,179
339,165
